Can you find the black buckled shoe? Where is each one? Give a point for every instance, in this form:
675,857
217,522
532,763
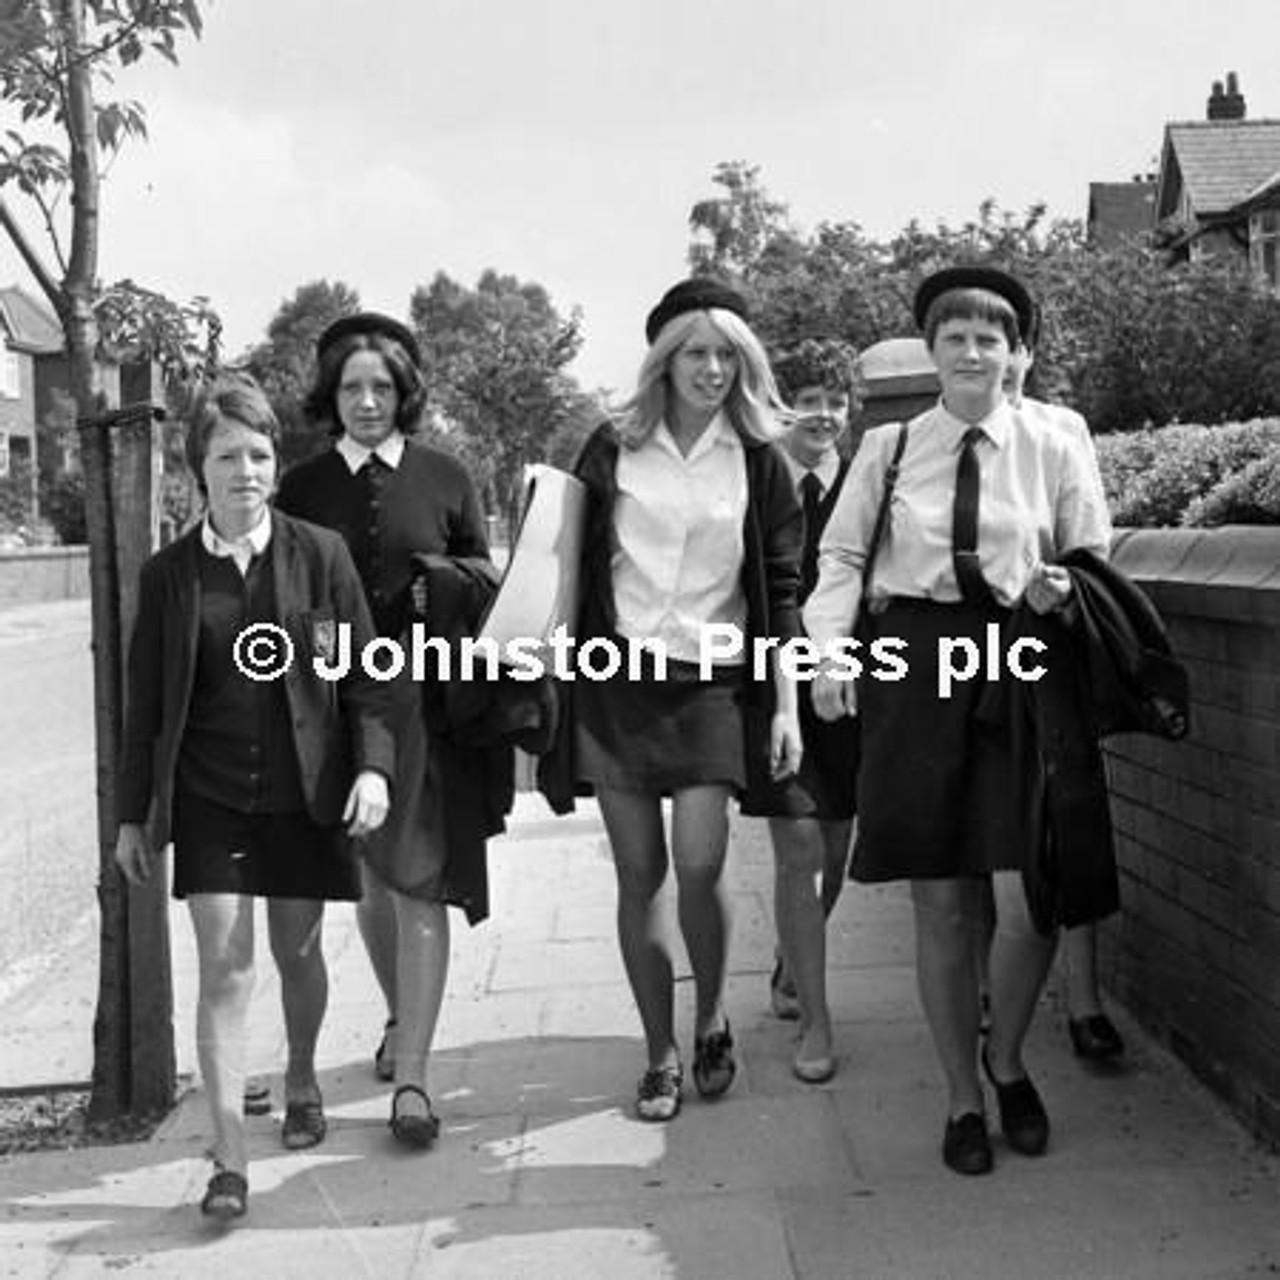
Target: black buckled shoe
226,1196
1023,1119
1095,1038
417,1128
713,1064
966,1145
304,1125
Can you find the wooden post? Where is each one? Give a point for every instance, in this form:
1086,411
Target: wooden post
134,1061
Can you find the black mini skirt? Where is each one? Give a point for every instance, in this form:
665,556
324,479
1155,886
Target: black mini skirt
217,849
661,736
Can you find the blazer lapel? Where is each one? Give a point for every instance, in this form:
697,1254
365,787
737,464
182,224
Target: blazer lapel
284,555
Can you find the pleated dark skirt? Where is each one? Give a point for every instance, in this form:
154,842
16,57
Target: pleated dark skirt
264,855
935,788
661,736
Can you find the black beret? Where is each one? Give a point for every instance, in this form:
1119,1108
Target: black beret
989,278
698,294
370,322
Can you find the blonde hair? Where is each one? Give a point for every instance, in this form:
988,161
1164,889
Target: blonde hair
754,405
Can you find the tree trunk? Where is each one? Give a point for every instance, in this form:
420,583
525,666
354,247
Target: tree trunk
133,1070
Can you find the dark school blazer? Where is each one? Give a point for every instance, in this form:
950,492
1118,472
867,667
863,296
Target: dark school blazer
339,727
773,534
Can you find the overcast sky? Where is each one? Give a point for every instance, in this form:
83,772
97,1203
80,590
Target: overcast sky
564,141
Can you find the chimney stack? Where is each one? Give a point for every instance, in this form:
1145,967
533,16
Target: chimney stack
1228,105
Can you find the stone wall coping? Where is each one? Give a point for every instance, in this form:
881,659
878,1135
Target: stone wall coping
74,552
1232,572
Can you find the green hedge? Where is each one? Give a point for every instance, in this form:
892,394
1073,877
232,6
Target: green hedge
1192,475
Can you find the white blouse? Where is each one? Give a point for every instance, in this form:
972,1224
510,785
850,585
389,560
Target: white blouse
1040,496
678,520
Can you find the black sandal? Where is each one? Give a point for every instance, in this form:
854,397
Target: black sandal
413,1130
384,1064
226,1196
304,1124
713,1064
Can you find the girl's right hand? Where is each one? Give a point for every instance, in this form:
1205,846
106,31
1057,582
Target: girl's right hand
833,698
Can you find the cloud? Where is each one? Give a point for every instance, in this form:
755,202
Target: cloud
230,205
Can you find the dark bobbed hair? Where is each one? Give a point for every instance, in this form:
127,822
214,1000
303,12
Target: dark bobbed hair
818,362
229,397
972,304
321,404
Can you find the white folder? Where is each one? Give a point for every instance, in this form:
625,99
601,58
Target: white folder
539,590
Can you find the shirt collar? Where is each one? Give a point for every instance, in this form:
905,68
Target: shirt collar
355,455
720,432
995,426
827,469
241,549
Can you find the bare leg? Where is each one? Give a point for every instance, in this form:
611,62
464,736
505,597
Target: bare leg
295,926
946,972
376,918
1020,962
801,852
422,969
837,839
699,841
1080,947
223,924
634,825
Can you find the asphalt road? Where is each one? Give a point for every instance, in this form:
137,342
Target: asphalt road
48,853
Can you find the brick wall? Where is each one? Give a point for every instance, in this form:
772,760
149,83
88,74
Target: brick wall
1195,953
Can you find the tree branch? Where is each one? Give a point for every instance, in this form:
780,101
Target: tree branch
48,285
46,212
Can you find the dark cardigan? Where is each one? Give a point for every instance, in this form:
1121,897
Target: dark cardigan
335,736
773,534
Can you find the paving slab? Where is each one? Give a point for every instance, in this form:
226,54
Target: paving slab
543,1171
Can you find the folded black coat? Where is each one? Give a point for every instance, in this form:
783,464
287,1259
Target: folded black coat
470,723
1108,669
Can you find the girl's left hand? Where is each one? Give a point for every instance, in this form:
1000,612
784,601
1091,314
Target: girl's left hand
367,803
785,747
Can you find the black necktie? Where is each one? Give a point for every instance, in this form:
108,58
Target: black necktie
964,523
811,503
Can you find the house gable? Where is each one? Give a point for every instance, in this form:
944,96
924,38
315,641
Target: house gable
1208,167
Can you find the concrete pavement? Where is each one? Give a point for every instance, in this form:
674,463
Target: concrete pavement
541,1171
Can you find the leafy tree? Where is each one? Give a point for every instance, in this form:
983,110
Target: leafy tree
1127,339
284,364
57,68
496,356
733,231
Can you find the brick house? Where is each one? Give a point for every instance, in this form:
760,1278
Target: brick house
29,334
1120,211
1218,189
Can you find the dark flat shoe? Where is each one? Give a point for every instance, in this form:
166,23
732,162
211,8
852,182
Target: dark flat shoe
304,1125
658,1094
257,1098
1023,1119
413,1130
1095,1038
966,1145
384,1064
713,1064
226,1196
783,999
